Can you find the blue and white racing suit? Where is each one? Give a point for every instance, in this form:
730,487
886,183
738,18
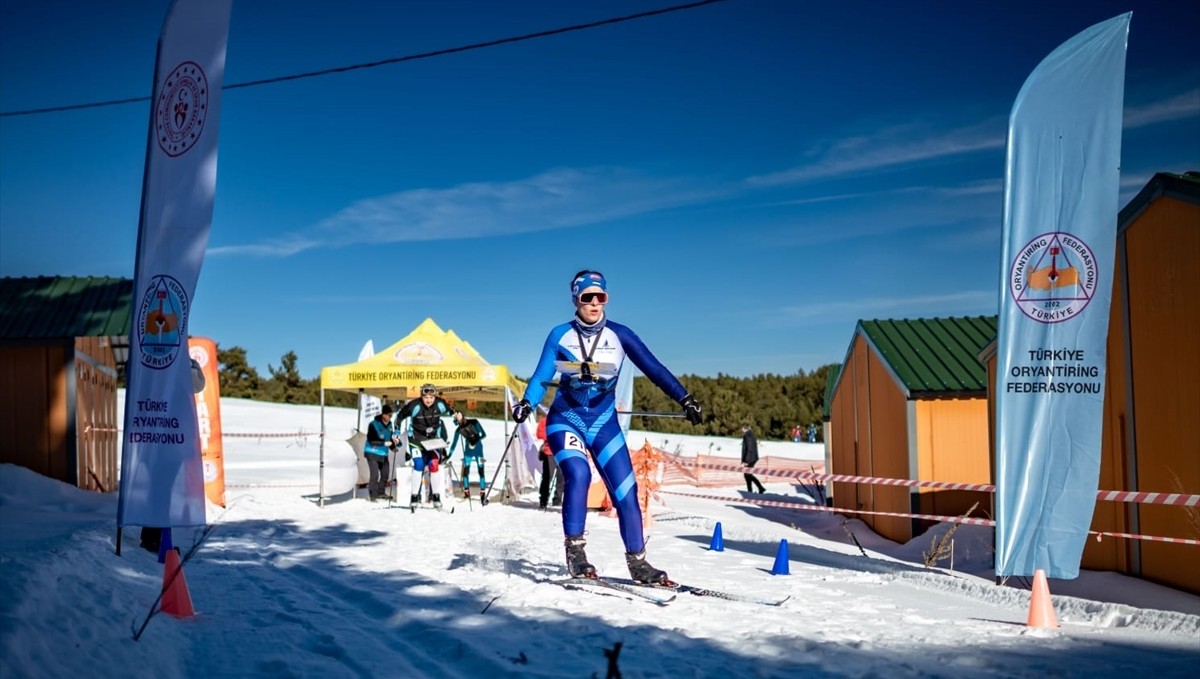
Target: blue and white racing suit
472,452
583,416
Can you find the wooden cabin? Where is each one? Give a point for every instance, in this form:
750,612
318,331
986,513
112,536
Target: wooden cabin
910,402
62,340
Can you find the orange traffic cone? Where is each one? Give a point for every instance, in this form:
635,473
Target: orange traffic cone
176,600
1041,608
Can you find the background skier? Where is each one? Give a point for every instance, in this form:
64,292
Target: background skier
471,433
425,415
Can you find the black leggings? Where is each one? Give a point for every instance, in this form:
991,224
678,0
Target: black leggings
752,479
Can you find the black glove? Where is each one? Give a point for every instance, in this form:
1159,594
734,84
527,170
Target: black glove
691,409
443,456
521,411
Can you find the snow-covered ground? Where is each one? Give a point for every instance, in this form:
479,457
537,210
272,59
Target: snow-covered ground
286,588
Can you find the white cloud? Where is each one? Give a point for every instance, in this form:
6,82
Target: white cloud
556,199
886,149
1179,107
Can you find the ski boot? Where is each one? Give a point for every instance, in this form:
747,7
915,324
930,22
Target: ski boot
641,570
577,563
437,500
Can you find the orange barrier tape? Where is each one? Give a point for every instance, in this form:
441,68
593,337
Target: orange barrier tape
1138,497
271,436
949,519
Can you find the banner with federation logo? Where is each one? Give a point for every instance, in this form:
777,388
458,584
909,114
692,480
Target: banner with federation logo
207,389
1062,179
162,477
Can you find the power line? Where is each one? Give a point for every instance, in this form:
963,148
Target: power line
385,62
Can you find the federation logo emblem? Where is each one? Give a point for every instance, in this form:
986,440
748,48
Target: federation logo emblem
181,109
199,355
418,352
162,322
1053,277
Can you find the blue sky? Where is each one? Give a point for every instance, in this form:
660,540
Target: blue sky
752,176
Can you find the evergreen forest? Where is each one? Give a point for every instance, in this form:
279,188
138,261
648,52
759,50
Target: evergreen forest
772,404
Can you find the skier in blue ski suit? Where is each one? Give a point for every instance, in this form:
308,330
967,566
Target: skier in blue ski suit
588,352
471,433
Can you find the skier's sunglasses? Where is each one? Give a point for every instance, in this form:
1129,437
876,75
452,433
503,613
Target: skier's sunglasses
429,392
593,298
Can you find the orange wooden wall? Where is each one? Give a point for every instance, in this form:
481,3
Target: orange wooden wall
952,445
36,426
1162,253
33,409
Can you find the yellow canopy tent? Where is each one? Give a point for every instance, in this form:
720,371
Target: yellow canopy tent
427,355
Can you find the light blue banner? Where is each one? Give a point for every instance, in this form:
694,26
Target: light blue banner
1062,179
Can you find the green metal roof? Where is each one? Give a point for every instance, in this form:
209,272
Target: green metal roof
831,378
62,307
934,356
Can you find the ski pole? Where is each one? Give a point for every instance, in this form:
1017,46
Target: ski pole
483,500
647,414
454,478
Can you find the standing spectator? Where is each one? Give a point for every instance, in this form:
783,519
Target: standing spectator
587,352
381,438
472,434
812,433
550,470
796,435
750,458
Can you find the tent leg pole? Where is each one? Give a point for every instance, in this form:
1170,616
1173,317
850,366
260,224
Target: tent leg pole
358,420
321,482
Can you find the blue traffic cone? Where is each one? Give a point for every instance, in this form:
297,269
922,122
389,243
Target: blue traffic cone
164,545
781,560
718,542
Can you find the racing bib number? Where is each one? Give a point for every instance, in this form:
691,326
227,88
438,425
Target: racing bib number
572,442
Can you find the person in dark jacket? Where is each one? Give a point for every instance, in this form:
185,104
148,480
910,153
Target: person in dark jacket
381,439
750,458
425,429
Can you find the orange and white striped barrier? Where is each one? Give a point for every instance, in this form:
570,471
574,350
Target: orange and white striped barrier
798,506
1137,497
820,508
292,435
